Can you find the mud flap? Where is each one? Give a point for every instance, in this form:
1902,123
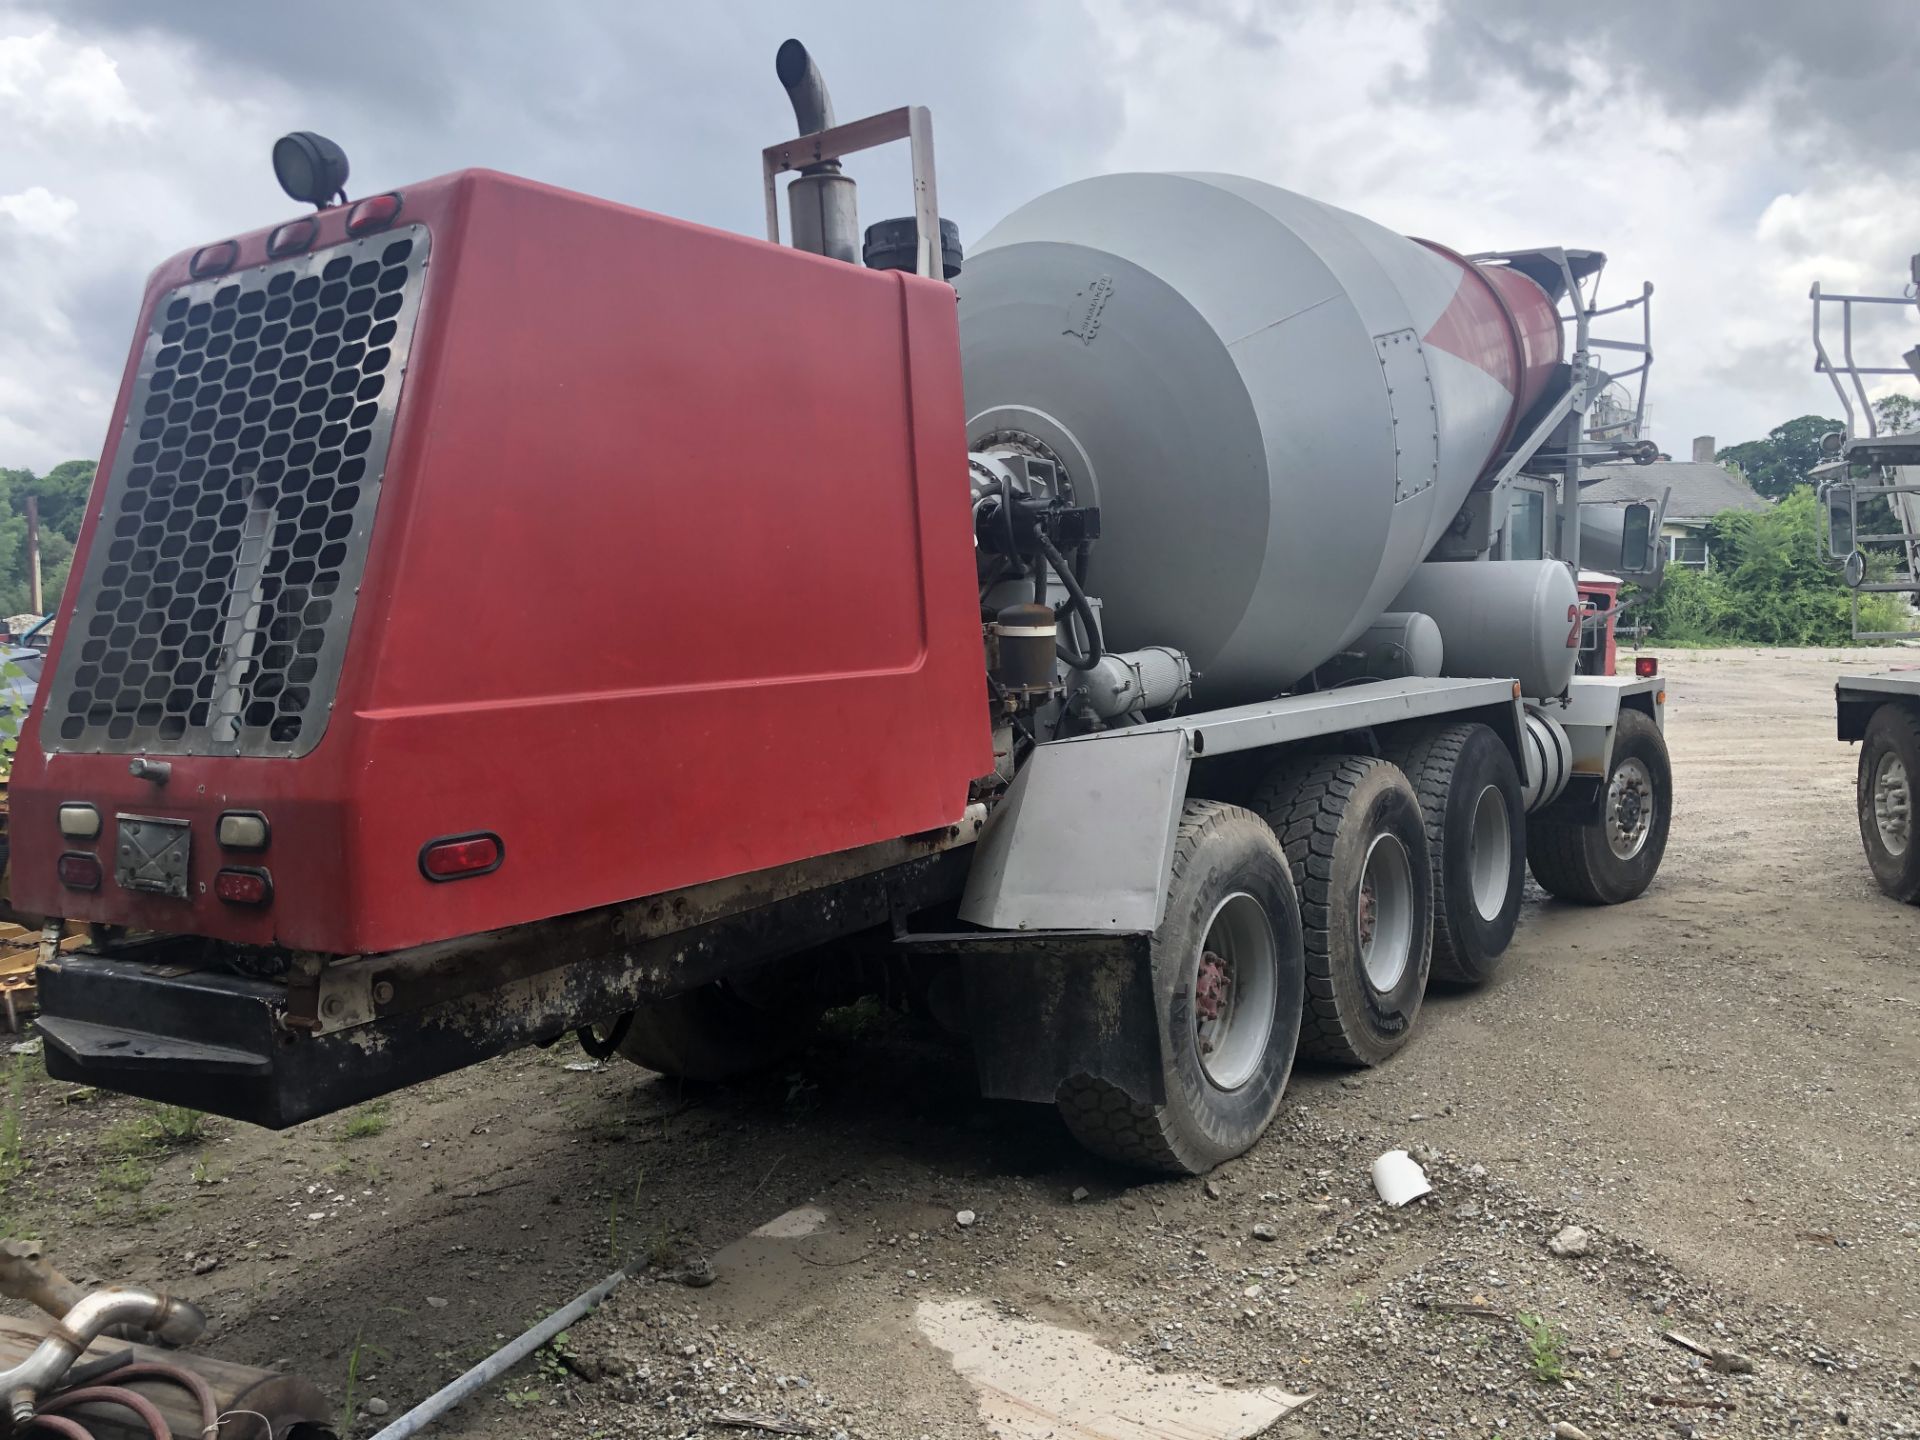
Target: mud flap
1045,1006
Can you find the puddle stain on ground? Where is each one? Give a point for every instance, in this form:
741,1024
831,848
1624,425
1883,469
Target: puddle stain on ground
1040,1382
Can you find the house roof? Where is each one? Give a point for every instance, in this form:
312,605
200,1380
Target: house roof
1700,490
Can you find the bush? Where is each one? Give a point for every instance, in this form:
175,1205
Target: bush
1771,584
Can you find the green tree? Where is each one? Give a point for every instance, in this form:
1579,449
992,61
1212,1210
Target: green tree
62,495
1896,414
1784,459
1771,585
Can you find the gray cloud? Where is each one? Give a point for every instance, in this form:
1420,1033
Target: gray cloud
663,107
1827,73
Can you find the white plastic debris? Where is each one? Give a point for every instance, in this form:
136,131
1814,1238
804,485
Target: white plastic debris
1399,1179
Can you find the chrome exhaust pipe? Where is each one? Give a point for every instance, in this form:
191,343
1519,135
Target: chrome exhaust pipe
822,202
175,1322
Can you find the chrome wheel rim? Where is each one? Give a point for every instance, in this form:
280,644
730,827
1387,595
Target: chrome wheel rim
1490,853
1384,921
1630,809
1892,804
1236,979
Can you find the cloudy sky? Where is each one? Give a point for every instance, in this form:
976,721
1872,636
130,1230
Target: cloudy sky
1731,151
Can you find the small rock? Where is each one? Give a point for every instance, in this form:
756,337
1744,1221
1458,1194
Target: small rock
437,1302
1570,1243
1731,1362
1264,1231
1567,1430
1478,1172
1416,1117
206,1263
1080,1192
376,1406
1213,1189
964,1219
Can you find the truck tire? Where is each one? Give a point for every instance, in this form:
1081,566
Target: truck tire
1889,770
1356,840
1227,975
1612,859
1476,814
712,1033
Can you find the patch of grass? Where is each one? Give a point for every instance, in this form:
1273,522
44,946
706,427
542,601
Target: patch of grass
128,1176
360,1352
520,1399
177,1124
1546,1350
205,1174
368,1121
154,1128
13,1157
864,1017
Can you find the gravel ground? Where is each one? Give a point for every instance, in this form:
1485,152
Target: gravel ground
1717,1084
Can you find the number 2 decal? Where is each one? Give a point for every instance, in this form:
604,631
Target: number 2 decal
1573,623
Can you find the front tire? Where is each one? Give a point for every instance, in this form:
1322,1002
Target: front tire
1228,980
1889,771
1613,859
1475,811
1356,841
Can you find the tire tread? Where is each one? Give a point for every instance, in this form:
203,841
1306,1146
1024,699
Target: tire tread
1305,804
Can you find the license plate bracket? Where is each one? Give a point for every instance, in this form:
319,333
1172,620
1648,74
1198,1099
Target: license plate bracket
151,853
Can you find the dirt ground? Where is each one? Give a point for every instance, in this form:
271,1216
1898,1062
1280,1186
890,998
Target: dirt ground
1720,1084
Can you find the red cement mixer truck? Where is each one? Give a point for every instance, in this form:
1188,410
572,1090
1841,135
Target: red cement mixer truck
1150,639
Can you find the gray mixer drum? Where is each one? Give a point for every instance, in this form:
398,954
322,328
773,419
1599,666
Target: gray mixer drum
1277,405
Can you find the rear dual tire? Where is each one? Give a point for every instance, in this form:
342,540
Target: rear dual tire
1356,843
1475,809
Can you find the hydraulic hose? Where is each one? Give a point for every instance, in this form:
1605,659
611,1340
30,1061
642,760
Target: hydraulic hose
1077,600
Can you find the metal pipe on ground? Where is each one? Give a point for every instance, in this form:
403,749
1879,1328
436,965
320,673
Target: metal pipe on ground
501,1361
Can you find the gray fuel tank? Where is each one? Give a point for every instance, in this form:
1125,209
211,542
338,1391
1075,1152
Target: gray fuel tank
1277,405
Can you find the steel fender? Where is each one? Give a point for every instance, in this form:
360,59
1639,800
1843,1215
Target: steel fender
1084,838
1856,697
1591,710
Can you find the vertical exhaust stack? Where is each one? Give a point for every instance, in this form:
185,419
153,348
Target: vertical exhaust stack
822,201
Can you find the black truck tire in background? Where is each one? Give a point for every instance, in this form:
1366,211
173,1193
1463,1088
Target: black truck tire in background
1229,943
713,1033
1612,859
1356,841
1889,771
1475,809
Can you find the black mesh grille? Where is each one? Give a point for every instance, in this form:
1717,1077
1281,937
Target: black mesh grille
213,614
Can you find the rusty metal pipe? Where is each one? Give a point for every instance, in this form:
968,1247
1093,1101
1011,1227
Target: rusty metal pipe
174,1321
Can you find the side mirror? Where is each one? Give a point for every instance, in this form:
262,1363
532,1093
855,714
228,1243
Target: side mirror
1838,498
1636,538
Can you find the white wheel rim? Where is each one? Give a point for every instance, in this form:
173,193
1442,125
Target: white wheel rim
1892,804
1236,978
1384,912
1630,809
1490,853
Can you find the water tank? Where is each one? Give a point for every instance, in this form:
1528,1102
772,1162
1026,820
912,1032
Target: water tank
1277,405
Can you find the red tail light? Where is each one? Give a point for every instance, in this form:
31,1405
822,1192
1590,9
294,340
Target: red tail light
1646,667
458,856
243,887
374,213
78,871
